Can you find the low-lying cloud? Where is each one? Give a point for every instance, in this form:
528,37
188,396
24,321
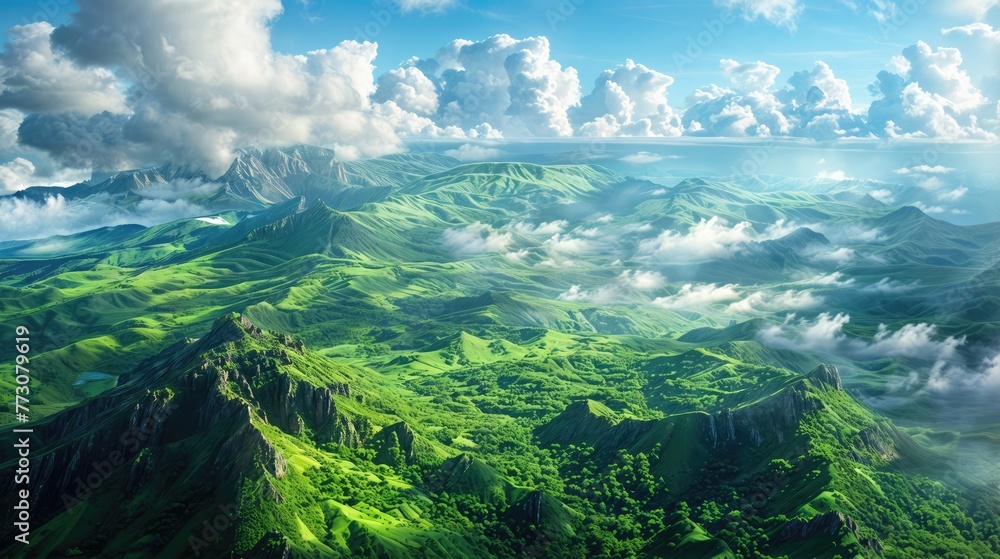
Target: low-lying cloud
705,240
475,238
693,296
825,334
55,215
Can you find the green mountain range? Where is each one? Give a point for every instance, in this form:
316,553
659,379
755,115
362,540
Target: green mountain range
409,357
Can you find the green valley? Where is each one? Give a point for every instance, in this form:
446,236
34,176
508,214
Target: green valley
410,357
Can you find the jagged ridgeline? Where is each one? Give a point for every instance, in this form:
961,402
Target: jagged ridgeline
409,357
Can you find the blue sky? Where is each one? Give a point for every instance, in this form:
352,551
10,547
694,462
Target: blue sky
593,35
102,85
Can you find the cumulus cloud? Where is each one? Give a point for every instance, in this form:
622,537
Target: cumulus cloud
630,100
475,238
825,334
707,239
747,108
782,13
819,105
927,94
517,256
409,89
512,86
692,296
949,365
814,104
189,85
948,375
37,78
930,210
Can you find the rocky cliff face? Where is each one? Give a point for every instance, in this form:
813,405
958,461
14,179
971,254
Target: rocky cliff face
832,524
200,400
772,419
394,441
767,421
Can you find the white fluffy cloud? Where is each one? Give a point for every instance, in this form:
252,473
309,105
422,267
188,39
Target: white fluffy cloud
547,228
825,334
409,89
642,280
15,174
814,104
888,286
28,219
473,152
636,280
123,84
836,256
630,100
775,301
707,239
836,279
928,94
475,238
949,365
188,85
978,29
511,85
37,78
746,108
692,296
563,245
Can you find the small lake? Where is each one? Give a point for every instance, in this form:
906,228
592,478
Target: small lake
91,376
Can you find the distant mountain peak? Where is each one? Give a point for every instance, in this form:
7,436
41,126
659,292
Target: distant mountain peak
804,236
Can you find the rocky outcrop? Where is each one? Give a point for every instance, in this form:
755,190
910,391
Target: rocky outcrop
829,524
826,375
197,390
876,441
246,447
832,524
767,421
293,405
394,441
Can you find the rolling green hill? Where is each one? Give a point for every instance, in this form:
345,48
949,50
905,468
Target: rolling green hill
408,357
